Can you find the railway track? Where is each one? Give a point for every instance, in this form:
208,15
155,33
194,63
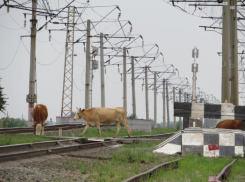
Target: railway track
8,153
222,176
26,151
46,128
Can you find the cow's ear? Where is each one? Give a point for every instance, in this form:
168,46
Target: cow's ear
83,110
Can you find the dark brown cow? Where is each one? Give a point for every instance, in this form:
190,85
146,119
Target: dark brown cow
230,124
39,114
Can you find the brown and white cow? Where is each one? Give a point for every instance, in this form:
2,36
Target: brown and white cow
230,124
97,115
39,115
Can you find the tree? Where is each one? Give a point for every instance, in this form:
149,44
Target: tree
14,122
2,100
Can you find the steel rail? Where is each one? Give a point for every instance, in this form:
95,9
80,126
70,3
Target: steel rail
145,175
42,152
53,147
28,146
225,171
46,128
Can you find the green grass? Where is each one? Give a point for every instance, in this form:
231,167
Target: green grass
237,171
110,132
128,161
192,168
11,139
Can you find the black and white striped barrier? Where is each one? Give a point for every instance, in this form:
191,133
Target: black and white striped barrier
216,111
197,141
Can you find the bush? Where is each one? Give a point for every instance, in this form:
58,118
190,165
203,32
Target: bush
131,116
14,122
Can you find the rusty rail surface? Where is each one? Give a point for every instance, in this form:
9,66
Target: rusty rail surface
225,171
146,175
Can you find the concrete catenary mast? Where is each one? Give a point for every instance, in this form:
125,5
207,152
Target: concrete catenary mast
31,98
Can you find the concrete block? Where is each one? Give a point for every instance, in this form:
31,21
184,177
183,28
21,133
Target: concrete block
227,151
192,149
226,139
177,140
239,139
207,153
169,149
239,150
211,139
192,139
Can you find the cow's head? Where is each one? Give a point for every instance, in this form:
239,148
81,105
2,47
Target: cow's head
78,114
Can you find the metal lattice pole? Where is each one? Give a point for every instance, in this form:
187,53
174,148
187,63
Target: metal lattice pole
66,108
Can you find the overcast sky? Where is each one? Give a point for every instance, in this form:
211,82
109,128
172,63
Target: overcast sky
175,32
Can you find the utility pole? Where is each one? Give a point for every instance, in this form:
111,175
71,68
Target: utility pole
88,68
167,105
155,100
226,53
173,105
66,108
180,121
185,97
234,53
146,94
102,71
32,97
133,87
164,104
124,79
195,54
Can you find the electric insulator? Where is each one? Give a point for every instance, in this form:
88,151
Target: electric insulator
131,28
118,68
119,15
46,26
105,69
25,20
7,9
49,35
121,76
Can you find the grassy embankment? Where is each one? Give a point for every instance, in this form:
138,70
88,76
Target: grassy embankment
192,168
127,161
131,160
110,132
237,171
11,139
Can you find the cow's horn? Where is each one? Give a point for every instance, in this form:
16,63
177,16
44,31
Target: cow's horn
76,107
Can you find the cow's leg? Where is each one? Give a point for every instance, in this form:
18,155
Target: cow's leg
42,131
38,129
118,128
125,123
34,128
86,127
98,127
